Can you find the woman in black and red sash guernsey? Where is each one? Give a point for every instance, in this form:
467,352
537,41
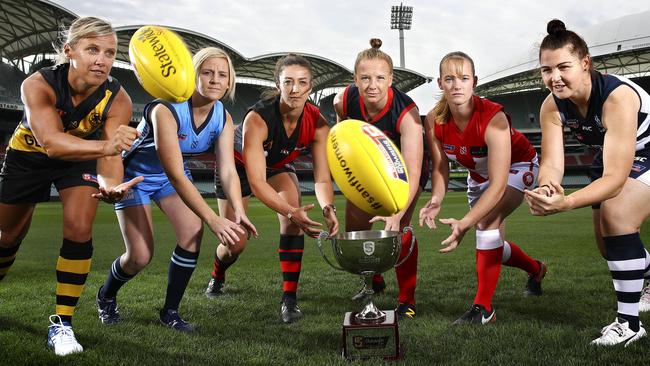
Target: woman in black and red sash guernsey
74,129
373,99
275,131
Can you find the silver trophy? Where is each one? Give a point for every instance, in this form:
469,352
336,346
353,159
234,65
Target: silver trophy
369,332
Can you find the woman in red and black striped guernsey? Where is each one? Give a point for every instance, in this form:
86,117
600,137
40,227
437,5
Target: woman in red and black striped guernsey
373,99
275,131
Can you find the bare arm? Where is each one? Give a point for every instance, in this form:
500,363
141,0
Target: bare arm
338,106
110,170
552,164
39,100
439,175
224,147
322,178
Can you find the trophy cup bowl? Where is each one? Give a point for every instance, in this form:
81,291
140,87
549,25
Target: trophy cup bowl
366,253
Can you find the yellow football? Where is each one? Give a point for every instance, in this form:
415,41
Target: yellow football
162,63
367,167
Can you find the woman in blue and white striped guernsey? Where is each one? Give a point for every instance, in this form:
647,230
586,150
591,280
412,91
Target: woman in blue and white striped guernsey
610,114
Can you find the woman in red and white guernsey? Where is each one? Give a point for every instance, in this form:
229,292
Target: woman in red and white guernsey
477,134
373,99
275,131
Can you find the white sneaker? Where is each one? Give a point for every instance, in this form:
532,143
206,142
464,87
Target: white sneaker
644,302
60,337
618,332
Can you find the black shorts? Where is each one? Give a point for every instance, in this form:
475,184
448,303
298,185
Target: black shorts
26,177
243,179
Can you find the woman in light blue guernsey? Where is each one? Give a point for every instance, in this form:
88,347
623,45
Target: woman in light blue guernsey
170,132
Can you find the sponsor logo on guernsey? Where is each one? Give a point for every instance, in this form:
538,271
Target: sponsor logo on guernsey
463,150
572,123
350,176
388,150
588,128
478,151
599,123
95,119
150,36
641,159
448,148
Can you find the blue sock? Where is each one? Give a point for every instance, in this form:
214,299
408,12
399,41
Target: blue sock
115,280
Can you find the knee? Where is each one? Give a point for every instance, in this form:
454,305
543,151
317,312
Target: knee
135,262
78,230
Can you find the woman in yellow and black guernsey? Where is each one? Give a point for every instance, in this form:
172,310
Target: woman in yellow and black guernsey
74,128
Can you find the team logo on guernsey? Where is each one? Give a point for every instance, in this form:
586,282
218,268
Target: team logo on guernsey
369,247
95,119
528,179
182,137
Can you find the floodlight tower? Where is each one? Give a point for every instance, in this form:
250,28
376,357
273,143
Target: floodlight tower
401,18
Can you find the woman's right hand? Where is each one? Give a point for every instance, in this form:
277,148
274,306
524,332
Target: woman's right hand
299,217
226,231
121,141
429,212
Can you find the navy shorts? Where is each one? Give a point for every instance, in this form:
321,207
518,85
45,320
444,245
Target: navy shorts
640,169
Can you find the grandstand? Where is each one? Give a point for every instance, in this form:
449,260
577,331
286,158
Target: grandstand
620,46
30,27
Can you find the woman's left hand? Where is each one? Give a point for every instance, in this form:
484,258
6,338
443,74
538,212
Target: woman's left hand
541,204
458,231
246,223
117,193
332,223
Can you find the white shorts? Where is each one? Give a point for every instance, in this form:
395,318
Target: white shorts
522,176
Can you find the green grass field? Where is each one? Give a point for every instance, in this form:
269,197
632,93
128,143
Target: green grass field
243,327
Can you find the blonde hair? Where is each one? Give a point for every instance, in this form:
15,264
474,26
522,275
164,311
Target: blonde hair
85,27
373,53
214,52
455,61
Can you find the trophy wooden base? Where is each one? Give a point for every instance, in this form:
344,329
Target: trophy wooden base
370,340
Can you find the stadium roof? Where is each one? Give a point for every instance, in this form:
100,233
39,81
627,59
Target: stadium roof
620,46
30,27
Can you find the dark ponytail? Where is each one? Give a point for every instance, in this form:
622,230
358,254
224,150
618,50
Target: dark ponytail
558,36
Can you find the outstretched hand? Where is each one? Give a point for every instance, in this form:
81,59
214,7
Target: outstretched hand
117,193
392,222
428,213
455,238
299,217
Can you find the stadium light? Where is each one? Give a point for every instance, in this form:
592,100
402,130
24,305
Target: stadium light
401,18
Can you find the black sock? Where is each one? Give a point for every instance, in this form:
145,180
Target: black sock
7,257
181,267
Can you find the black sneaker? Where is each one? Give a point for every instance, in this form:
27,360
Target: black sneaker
377,287
405,311
215,288
171,319
534,283
107,309
290,311
477,315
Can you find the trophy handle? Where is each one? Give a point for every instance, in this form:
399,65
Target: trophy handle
407,229
323,236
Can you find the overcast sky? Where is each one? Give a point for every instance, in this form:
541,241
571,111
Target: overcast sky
495,33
